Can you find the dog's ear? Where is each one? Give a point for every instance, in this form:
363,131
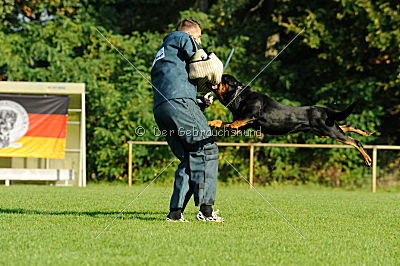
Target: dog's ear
234,85
231,80
237,82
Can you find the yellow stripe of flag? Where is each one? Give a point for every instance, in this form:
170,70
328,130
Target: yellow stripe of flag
36,147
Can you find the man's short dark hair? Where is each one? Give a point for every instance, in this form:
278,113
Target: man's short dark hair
187,25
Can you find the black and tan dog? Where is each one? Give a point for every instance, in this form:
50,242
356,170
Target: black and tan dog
252,109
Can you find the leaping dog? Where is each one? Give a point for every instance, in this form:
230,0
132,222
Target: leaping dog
252,109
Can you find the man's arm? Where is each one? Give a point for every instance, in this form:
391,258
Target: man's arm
188,47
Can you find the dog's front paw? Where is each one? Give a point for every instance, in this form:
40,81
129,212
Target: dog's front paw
215,123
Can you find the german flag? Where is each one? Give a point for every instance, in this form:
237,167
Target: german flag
33,125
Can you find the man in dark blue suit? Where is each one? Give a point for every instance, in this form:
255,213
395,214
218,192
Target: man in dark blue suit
178,113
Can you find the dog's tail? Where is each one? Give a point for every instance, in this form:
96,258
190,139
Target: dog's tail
339,116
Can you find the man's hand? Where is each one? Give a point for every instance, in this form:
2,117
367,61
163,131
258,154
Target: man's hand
208,99
205,101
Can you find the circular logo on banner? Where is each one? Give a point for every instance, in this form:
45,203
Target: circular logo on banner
14,123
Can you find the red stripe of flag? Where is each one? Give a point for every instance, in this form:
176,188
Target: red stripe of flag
47,125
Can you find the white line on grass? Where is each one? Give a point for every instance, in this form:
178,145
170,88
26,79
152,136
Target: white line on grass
119,214
270,204
248,84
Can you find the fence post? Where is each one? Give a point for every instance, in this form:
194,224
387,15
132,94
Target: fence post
251,168
374,164
130,164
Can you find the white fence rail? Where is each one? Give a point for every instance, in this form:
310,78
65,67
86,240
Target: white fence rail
374,148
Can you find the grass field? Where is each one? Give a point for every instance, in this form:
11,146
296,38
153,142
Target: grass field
58,225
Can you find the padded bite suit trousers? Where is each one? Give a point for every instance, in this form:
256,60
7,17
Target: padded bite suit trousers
190,138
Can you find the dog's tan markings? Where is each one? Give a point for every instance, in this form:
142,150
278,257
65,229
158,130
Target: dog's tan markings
239,123
235,124
222,89
348,128
215,123
367,159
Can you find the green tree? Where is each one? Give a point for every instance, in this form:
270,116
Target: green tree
349,51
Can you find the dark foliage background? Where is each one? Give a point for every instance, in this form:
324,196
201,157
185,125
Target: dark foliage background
348,52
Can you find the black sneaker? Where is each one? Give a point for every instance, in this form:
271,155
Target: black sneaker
183,220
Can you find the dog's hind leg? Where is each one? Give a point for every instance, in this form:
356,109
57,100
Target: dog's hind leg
350,128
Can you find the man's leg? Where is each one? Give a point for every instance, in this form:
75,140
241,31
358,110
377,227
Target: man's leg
189,194
203,166
183,188
203,160
200,153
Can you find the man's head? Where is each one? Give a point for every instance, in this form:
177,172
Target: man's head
191,27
